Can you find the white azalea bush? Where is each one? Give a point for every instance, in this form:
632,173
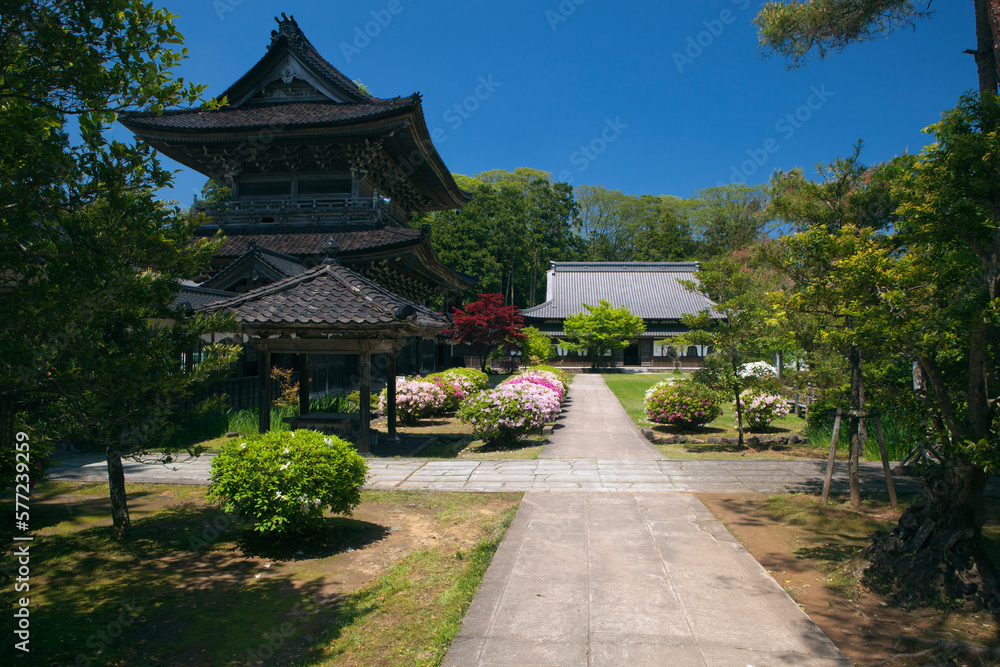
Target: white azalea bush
416,398
759,410
286,480
758,370
512,410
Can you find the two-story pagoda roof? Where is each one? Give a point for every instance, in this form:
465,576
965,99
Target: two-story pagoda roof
296,108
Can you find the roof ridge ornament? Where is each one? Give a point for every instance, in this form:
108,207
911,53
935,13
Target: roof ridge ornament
331,248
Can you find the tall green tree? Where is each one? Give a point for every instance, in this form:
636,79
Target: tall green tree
602,329
729,218
841,223
939,305
617,227
516,223
740,326
89,257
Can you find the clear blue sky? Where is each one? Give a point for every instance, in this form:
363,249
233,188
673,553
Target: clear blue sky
619,94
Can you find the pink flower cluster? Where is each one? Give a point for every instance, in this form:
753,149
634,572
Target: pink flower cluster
512,410
415,398
531,378
760,410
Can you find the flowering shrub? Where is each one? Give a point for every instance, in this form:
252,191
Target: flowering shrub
469,380
453,394
758,370
286,480
511,410
685,404
760,409
540,380
551,371
415,398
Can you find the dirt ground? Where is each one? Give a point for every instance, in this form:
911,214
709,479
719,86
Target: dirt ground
865,628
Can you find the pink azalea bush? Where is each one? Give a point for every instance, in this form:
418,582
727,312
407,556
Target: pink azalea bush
453,394
512,410
469,380
541,381
684,405
416,398
759,410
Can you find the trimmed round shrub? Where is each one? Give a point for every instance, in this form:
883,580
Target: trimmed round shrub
469,380
685,405
286,480
759,410
504,414
416,398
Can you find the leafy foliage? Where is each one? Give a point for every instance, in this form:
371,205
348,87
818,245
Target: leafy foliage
488,325
601,329
537,347
795,29
286,480
742,323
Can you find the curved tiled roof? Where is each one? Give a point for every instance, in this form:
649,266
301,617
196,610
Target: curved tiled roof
329,295
298,114
302,241
649,289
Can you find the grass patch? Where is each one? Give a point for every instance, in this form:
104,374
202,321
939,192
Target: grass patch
192,587
411,614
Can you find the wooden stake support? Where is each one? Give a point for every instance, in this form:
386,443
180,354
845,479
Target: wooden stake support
828,479
833,456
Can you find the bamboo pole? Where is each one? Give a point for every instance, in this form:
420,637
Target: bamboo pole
828,480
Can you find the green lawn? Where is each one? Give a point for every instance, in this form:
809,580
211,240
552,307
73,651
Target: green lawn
631,392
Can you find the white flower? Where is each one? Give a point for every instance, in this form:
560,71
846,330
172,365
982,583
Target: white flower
243,445
286,450
286,464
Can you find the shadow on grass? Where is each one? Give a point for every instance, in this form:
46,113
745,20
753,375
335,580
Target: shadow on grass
186,588
334,536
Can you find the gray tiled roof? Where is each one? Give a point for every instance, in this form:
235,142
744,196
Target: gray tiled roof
193,297
649,289
329,295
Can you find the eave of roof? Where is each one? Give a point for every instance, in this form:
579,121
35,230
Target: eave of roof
329,298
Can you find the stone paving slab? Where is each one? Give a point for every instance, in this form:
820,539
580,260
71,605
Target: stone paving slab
611,475
608,579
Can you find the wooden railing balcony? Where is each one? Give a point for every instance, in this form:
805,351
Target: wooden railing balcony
320,209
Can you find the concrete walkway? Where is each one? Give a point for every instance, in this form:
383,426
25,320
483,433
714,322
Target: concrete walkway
627,578
594,427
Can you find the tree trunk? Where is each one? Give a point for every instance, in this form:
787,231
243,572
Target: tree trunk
739,402
986,60
122,525
857,406
934,553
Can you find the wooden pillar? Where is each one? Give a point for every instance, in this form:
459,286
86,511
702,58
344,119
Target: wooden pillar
390,394
366,392
264,401
303,367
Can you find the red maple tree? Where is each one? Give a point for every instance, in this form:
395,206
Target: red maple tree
487,325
